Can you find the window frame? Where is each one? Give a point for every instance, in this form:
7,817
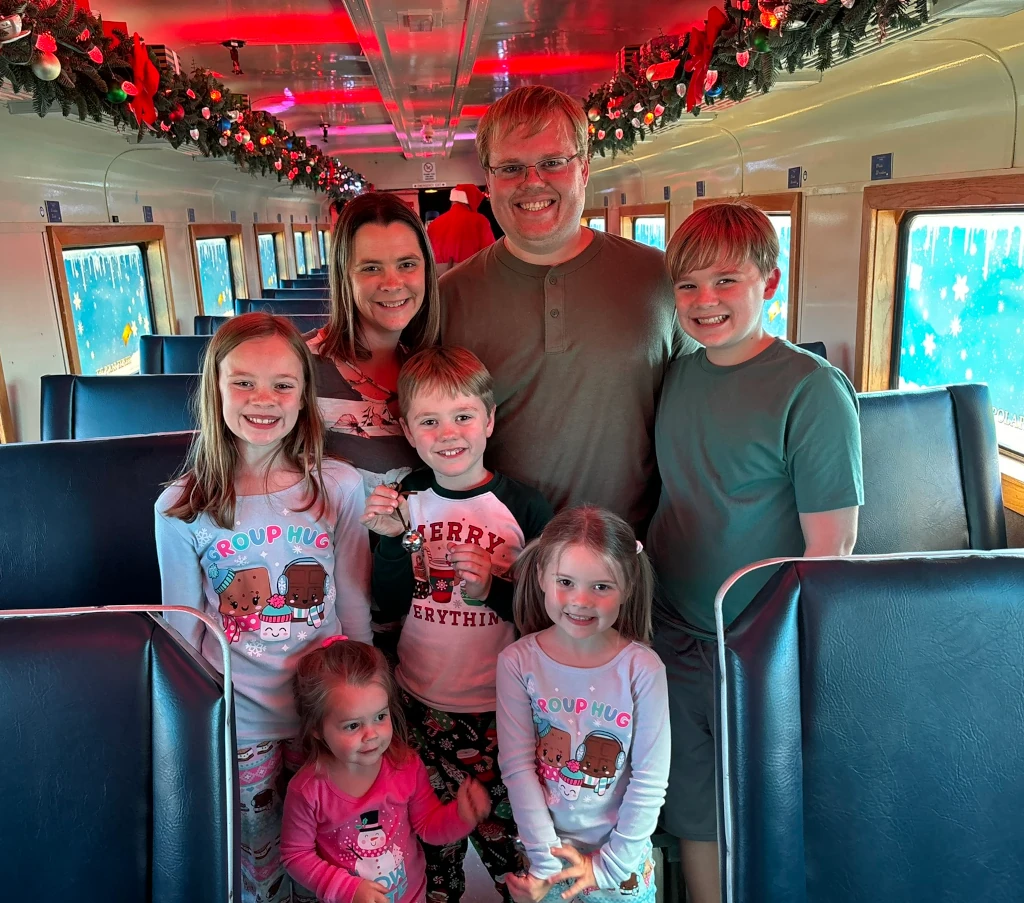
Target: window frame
787,202
236,256
326,231
281,255
6,419
630,212
307,245
884,209
600,212
151,239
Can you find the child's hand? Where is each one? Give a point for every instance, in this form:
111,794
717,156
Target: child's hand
384,511
473,565
580,870
370,892
526,888
474,802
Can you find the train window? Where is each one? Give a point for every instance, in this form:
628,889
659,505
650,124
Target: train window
109,288
597,223
300,254
776,312
272,254
322,237
960,312
650,230
215,282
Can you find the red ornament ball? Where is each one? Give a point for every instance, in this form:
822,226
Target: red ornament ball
177,113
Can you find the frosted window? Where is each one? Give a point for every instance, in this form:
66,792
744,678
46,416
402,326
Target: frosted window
109,291
307,240
268,260
962,307
215,276
300,254
650,230
323,247
775,318
597,223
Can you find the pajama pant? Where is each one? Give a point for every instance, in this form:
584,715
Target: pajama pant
264,770
637,888
453,746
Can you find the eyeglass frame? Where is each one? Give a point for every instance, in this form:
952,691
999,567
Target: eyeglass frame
493,170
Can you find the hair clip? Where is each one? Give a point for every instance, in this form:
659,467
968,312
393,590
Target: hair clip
332,639
639,547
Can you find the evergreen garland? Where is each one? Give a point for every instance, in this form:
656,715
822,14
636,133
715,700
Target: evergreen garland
759,39
98,68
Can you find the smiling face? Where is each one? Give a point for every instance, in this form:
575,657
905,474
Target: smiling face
450,435
540,215
357,727
388,276
582,592
721,308
261,384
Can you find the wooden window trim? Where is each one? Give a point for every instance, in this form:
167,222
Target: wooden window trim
154,244
791,202
236,255
278,230
308,228
630,212
320,227
884,209
6,420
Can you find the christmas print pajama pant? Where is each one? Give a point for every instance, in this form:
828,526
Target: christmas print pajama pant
454,746
264,769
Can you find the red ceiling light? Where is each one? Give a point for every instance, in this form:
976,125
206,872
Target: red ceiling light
234,46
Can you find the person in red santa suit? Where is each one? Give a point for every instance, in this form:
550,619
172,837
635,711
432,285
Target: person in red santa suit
458,234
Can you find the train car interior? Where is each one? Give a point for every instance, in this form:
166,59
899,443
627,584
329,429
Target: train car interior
166,169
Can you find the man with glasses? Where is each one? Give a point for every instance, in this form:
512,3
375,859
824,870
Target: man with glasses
576,327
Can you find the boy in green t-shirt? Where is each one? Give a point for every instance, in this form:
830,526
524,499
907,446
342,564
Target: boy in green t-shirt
758,445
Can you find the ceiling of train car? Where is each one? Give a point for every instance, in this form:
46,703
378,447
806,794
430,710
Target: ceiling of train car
400,76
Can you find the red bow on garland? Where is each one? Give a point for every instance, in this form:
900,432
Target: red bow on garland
147,80
699,52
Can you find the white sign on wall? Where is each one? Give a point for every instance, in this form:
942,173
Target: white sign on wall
429,171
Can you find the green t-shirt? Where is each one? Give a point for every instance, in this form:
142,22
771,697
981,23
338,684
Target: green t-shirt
743,451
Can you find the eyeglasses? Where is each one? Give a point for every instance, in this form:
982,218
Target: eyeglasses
516,172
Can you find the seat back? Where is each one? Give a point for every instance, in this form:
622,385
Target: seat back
91,407
78,519
290,306
172,353
123,782
314,282
931,472
205,325
284,294
817,348
872,733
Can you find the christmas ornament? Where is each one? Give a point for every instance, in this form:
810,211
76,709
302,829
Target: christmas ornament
244,135
206,112
116,95
223,139
648,117
215,95
95,54
11,30
591,129
84,35
658,109
288,144
714,91
638,108
600,134
634,122
234,115
249,146
710,80
277,165
309,169
177,113
760,42
271,130
264,140
681,88
742,58
193,134
129,89
45,43
225,125
618,134
164,127
190,94
45,66
238,137
848,4
769,20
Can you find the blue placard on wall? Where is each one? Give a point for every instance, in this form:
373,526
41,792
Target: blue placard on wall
53,212
147,213
606,200
881,167
796,176
234,216
291,217
700,189
668,192
279,217
191,214
622,197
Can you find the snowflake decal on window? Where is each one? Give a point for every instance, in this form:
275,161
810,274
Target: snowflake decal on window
255,649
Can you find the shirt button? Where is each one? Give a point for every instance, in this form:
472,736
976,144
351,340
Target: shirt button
554,311
553,280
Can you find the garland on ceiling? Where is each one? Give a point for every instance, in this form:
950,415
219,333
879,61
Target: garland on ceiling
739,49
65,56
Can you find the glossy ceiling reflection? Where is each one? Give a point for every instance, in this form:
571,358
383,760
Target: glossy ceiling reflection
407,77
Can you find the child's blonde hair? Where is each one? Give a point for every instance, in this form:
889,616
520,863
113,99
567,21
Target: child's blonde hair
605,534
208,476
342,661
449,369
732,233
